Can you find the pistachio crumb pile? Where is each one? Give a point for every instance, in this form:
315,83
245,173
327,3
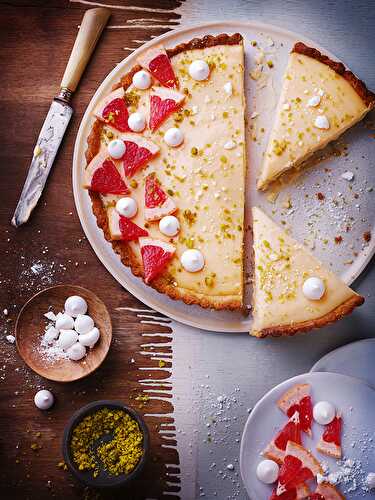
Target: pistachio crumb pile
120,455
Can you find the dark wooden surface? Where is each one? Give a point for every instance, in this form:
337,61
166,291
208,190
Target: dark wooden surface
36,37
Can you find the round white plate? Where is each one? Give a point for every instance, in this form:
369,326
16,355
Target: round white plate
329,218
352,397
355,359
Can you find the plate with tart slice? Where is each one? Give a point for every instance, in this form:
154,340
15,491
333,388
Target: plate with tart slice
304,458
191,131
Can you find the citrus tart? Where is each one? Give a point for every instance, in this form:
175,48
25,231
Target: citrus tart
166,170
320,99
292,290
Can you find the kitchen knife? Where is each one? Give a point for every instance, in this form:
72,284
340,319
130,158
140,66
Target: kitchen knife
59,114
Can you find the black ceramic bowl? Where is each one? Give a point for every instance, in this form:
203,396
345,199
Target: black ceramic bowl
104,479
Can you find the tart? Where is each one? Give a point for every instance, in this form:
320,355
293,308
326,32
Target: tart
282,269
200,181
320,99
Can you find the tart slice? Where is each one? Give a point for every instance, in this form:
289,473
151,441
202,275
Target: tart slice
299,466
291,432
292,292
330,442
326,491
320,99
157,62
298,398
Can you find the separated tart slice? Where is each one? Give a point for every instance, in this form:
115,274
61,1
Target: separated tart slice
292,291
184,168
320,99
330,441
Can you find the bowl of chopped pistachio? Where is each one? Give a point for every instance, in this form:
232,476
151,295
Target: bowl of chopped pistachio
106,444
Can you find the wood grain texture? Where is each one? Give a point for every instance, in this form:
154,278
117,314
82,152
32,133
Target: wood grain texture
36,38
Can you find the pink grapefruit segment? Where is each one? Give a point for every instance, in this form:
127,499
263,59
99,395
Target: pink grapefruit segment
129,230
298,398
156,254
157,203
163,102
113,110
326,491
157,62
290,432
102,176
330,442
138,153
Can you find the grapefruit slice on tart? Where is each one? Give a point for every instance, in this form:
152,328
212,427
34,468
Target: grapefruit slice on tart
113,111
157,62
290,432
163,102
326,491
293,291
103,176
156,254
157,202
122,228
320,99
298,398
330,441
139,151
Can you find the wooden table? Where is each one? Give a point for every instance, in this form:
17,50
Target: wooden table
36,38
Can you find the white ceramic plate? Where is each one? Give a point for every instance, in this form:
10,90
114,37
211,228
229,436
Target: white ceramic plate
355,359
352,397
329,220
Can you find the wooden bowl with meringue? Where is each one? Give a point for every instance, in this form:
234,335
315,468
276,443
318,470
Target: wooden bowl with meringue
63,333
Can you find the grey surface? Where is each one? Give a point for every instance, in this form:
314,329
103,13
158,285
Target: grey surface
356,402
235,361
355,359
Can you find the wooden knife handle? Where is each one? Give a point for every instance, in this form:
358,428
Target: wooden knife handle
92,25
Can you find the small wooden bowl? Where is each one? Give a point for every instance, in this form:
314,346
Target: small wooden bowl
104,480
30,327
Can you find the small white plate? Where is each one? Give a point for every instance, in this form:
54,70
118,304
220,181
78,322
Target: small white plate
352,397
355,359
329,219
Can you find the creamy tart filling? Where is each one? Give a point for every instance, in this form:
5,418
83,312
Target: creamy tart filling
316,106
203,173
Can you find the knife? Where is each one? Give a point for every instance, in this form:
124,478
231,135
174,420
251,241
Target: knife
59,114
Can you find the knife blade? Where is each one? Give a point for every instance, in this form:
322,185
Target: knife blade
49,140
59,114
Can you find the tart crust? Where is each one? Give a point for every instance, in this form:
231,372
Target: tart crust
289,330
358,85
122,248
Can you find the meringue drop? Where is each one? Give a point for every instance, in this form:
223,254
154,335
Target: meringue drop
127,207
142,80
169,225
192,260
313,288
199,70
116,149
